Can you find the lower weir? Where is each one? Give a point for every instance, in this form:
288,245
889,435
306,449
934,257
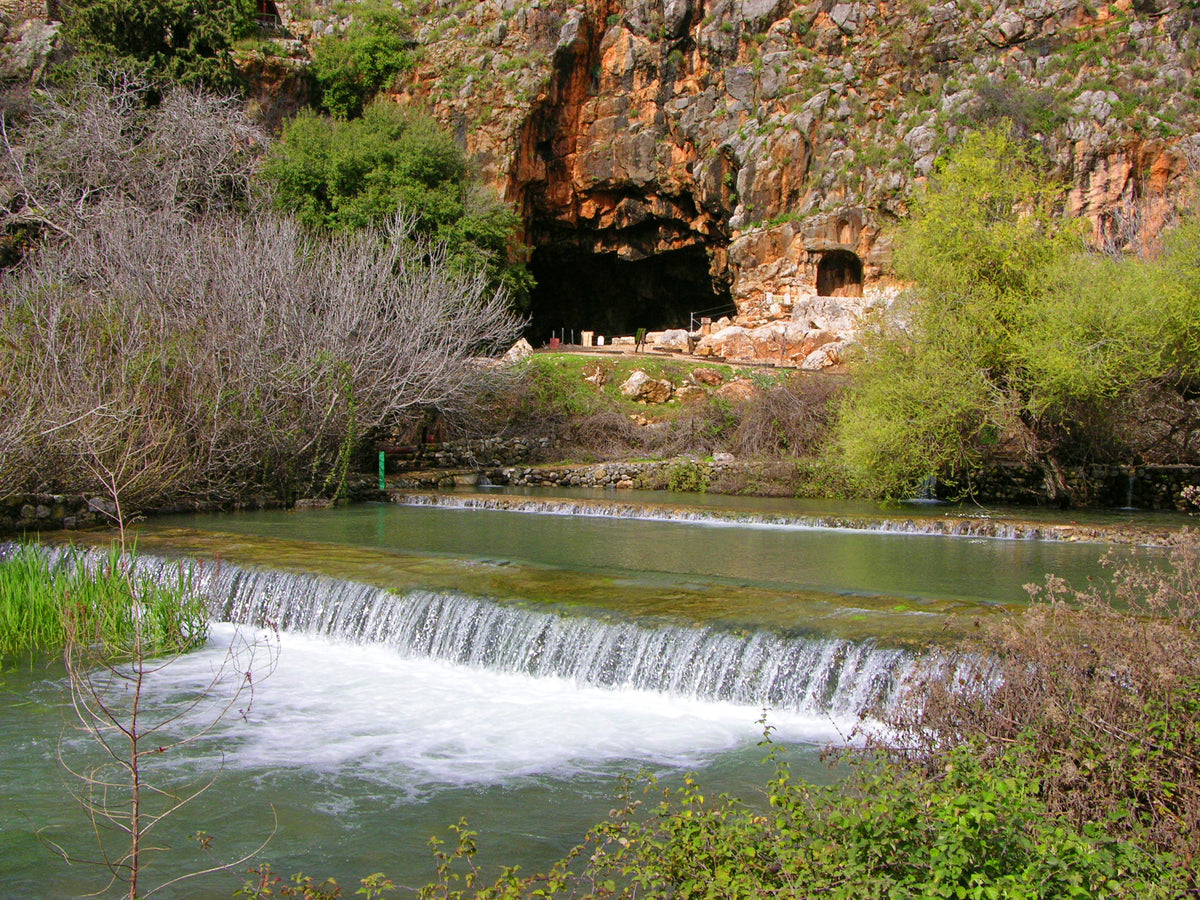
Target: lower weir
838,678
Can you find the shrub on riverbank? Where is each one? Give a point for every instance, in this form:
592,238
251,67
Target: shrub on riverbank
1097,691
962,830
46,605
1057,757
576,401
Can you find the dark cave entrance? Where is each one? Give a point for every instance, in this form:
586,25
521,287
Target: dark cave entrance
839,274
579,290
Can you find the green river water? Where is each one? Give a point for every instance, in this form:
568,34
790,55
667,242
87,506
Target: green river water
364,740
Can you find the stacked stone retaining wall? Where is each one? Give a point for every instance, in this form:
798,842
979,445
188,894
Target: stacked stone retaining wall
513,462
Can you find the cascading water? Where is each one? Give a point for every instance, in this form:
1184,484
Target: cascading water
816,676
836,677
971,527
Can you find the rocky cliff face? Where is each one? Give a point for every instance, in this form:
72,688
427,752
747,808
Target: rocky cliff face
670,156
684,158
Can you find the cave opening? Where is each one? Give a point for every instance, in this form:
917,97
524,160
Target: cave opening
839,274
580,290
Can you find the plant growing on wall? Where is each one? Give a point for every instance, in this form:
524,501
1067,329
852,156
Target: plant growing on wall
175,39
352,67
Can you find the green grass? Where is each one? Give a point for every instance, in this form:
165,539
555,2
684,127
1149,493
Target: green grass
105,604
558,383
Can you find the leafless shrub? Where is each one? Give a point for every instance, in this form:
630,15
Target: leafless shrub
790,419
234,354
1098,689
104,146
607,434
171,336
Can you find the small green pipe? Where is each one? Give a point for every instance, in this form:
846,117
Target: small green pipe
382,483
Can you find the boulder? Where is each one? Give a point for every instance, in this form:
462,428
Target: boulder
674,339
823,357
709,377
691,393
518,351
641,387
738,389
732,341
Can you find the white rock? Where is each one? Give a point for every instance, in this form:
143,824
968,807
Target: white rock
518,351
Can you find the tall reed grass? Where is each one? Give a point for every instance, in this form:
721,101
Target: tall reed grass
101,602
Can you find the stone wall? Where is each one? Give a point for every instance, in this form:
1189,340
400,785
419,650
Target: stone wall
33,513
512,462
486,453
50,512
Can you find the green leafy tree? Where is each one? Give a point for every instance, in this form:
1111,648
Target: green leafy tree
183,40
352,67
344,175
1015,338
942,377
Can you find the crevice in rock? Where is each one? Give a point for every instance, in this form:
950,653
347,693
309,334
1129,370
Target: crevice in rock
613,249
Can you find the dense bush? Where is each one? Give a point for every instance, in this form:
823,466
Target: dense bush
1015,341
964,830
352,67
172,339
345,175
119,142
176,39
136,357
1098,691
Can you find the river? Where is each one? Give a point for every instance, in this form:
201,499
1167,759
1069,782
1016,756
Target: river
506,657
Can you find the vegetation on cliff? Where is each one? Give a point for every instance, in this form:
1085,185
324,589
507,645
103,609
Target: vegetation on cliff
175,39
343,175
352,67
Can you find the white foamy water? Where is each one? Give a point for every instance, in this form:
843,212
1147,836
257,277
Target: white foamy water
337,708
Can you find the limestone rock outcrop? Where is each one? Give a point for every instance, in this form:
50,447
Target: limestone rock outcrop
641,387
675,161
779,142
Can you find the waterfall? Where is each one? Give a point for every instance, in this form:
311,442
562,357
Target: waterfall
970,527
758,668
762,668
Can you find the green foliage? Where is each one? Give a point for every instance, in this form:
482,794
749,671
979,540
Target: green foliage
1096,691
353,67
1013,332
961,830
554,385
266,883
981,238
175,39
43,606
687,476
348,175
